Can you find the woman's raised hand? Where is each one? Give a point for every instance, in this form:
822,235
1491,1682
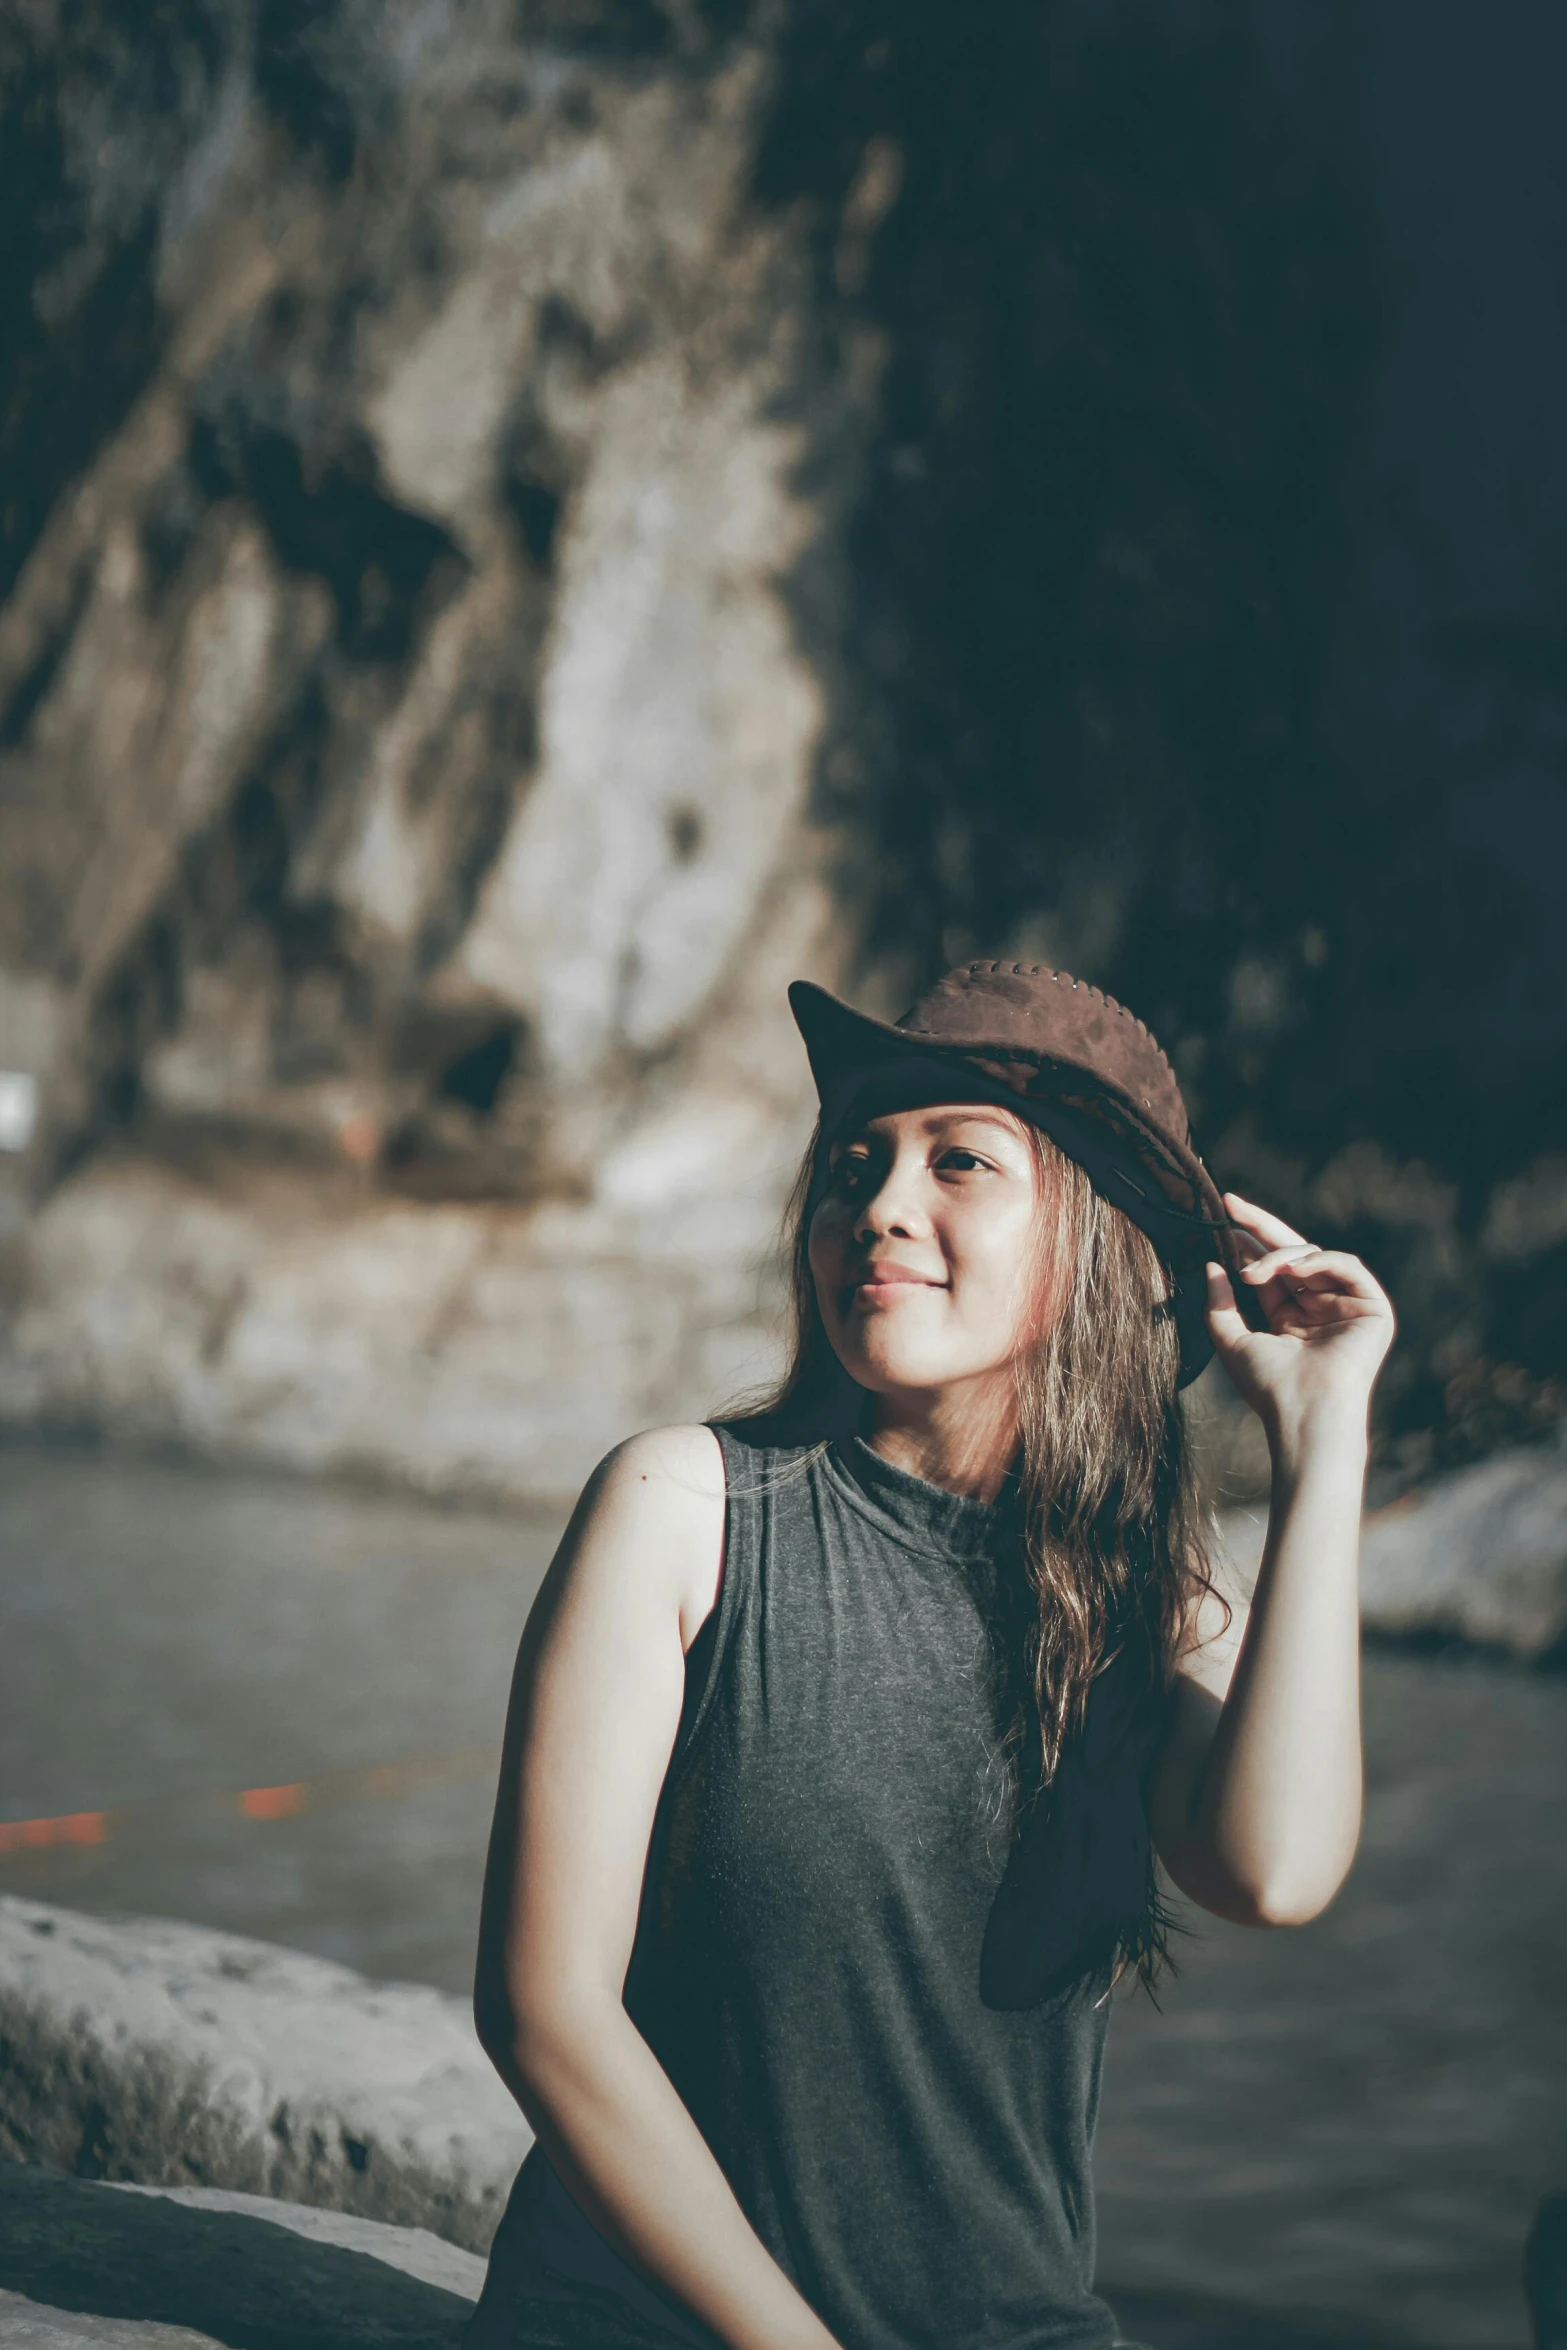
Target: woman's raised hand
1329,1324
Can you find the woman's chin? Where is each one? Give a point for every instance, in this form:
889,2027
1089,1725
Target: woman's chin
891,1369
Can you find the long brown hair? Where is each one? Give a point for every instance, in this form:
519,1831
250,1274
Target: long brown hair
1114,1533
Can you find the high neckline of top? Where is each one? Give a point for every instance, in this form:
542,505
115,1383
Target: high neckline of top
924,1516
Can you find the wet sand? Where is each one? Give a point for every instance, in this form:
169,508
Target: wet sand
1343,2128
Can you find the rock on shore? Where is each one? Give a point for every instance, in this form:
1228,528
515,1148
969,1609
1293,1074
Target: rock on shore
172,2269
140,2049
1479,1555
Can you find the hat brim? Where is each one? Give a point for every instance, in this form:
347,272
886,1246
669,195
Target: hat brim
837,1037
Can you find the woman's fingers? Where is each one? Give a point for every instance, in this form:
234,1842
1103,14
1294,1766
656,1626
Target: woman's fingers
1304,1291
1251,1243
1225,1319
1271,1230
1320,1305
1294,1312
1303,1264
1319,1309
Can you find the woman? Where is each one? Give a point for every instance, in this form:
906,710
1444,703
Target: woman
841,1733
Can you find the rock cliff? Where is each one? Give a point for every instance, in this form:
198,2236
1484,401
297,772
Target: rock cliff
524,529
406,834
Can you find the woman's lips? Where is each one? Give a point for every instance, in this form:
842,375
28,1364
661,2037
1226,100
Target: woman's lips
881,1283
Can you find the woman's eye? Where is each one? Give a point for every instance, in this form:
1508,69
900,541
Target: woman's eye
849,1175
962,1159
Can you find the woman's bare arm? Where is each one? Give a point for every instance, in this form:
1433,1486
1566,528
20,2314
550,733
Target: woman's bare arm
595,1708
1255,1799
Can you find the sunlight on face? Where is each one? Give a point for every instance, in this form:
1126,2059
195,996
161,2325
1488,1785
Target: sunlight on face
925,1250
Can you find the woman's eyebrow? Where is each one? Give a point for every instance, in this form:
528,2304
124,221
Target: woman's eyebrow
933,1124
936,1121
1001,1120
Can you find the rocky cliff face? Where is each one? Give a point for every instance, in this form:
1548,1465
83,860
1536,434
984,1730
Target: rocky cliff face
521,531
406,834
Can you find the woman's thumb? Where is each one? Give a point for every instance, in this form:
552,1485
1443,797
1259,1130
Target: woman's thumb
1225,1319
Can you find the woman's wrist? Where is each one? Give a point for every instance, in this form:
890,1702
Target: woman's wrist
1322,1430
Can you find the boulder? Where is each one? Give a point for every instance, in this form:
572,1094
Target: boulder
1478,1555
29,2325
413,2252
140,2049
83,2263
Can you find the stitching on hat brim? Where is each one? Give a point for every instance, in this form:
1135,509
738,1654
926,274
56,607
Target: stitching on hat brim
1182,1161
827,1009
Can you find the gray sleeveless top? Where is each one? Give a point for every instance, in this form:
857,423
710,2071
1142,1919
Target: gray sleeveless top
826,1855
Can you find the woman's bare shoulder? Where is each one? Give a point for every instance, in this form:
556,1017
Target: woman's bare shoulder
684,1459
655,1506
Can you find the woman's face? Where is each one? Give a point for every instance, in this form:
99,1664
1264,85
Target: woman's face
924,1250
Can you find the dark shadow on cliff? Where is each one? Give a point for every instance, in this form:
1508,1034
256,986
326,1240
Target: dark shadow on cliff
74,2245
1129,317
80,328
1101,695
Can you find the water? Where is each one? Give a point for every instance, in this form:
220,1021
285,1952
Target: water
1352,2121
170,1639
1361,2114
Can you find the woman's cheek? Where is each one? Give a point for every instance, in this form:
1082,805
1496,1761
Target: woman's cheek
987,1291
824,1255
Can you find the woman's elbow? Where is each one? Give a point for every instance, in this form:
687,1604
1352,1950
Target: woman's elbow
1287,1897
514,2027
515,2038
1272,1897
1284,1906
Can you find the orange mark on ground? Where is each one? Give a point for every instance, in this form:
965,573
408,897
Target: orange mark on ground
271,1803
254,1803
72,1827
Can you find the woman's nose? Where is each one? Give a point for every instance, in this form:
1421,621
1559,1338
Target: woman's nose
892,1209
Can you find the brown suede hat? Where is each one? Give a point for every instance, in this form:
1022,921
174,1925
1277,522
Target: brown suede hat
1073,1062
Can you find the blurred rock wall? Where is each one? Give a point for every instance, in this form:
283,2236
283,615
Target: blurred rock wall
523,528
406,835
